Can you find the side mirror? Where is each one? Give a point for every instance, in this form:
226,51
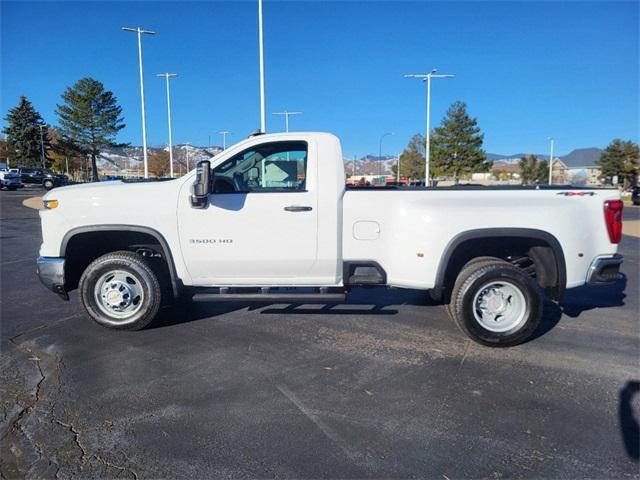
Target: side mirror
202,185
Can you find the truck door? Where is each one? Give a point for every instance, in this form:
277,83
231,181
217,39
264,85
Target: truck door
260,227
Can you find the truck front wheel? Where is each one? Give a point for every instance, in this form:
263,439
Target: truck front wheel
495,303
119,290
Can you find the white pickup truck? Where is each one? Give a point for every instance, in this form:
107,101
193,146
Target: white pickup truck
270,219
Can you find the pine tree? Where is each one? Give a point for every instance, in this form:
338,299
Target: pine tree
456,145
24,134
533,170
7,152
621,158
90,118
412,159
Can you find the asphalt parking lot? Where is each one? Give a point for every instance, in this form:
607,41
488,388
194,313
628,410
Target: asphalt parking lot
383,387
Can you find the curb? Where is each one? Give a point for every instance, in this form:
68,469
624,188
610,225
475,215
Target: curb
33,202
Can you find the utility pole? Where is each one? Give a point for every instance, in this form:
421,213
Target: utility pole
224,134
263,120
167,76
188,144
380,151
140,31
551,139
398,170
42,146
286,118
427,78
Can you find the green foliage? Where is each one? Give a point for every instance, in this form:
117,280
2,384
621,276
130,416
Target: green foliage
621,158
412,159
533,170
23,134
90,118
456,145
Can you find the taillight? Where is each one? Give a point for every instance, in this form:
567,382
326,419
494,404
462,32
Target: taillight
613,219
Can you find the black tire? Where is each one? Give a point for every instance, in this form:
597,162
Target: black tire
142,278
473,261
473,280
48,184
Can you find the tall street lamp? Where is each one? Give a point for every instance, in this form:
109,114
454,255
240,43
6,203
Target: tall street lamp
188,144
167,76
224,134
551,139
42,145
140,31
380,151
286,118
427,78
263,120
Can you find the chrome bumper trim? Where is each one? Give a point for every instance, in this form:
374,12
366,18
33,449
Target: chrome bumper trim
605,270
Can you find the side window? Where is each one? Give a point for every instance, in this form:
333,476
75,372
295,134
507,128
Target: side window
270,167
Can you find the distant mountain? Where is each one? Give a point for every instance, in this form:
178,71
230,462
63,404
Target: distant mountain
582,157
120,159
370,165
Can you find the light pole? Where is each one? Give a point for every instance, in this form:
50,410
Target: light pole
286,118
263,120
188,144
380,151
551,139
398,171
42,146
224,134
140,31
167,76
427,78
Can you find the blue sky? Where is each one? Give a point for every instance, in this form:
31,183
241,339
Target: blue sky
527,70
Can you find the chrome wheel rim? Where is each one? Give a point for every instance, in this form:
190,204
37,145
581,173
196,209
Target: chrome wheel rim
119,295
500,306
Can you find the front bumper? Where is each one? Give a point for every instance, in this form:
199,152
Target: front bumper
605,270
51,273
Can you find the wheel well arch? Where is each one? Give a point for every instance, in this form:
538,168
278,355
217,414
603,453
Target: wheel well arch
80,246
537,251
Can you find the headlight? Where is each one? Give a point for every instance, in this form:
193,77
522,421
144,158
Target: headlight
50,204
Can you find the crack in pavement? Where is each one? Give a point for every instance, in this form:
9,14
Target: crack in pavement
49,369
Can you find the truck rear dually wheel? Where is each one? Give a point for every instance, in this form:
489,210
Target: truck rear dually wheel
120,290
495,303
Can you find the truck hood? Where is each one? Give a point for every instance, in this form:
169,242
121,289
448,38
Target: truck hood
108,188
115,199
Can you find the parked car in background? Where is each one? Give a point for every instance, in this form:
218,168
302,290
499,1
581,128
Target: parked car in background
635,195
10,180
42,177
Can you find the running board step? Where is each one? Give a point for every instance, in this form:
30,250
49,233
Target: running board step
267,295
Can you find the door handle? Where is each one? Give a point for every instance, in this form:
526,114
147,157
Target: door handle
297,208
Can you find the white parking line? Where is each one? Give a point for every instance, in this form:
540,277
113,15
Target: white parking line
17,261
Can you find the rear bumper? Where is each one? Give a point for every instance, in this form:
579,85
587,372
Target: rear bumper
51,274
604,270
